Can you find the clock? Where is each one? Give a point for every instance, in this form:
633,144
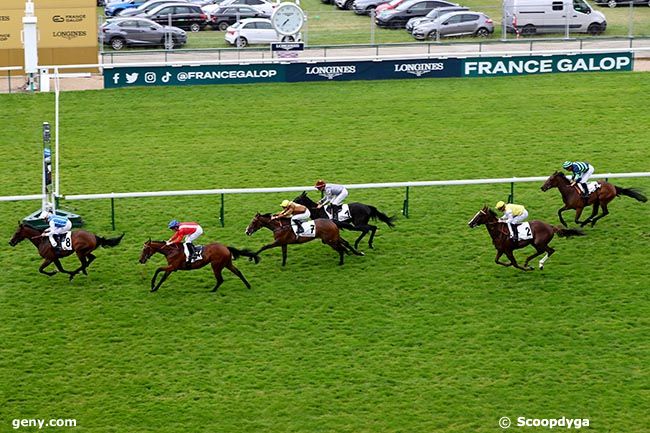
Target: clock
287,18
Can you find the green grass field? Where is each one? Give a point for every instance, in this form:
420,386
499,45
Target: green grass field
423,334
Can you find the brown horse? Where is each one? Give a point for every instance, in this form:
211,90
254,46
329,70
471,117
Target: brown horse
572,197
542,235
218,255
83,244
326,230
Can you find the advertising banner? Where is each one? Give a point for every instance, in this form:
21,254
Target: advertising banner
526,65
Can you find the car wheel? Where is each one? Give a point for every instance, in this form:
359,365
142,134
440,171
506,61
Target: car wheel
612,3
371,9
433,35
482,33
118,43
195,27
348,5
287,39
223,26
241,42
594,29
528,29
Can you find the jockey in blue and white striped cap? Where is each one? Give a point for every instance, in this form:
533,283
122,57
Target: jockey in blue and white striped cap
580,173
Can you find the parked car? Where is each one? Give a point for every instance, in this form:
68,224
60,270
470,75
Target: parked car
388,5
364,7
113,8
229,15
146,7
344,4
550,16
134,31
263,5
398,17
183,15
255,31
461,23
614,3
431,16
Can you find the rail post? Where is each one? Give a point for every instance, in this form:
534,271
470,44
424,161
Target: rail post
222,212
511,197
113,213
405,206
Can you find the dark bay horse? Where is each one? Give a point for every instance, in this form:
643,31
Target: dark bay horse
572,198
83,244
360,216
326,230
215,254
542,235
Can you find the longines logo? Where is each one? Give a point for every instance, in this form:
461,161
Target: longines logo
70,34
69,18
4,36
330,72
4,18
419,69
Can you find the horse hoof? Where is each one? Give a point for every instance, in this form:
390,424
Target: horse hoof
541,267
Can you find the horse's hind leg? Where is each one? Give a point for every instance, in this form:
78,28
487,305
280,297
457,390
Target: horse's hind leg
539,250
349,248
237,272
549,253
373,231
217,274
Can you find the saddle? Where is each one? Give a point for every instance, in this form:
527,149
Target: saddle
591,188
308,229
61,242
196,255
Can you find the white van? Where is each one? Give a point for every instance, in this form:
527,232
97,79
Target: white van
528,17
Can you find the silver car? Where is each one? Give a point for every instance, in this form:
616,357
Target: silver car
364,7
135,31
431,16
462,23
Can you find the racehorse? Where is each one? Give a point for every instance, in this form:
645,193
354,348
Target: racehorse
360,215
542,235
326,230
601,197
83,244
218,255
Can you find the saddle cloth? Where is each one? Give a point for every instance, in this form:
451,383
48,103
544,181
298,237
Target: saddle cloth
524,232
591,187
66,241
344,213
198,253
308,227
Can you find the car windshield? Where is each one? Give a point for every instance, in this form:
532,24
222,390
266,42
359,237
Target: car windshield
395,3
406,5
236,25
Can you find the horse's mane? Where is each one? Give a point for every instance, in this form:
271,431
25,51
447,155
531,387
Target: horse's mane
265,215
305,199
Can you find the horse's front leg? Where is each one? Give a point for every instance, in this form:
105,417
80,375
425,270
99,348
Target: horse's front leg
268,246
511,256
167,271
594,212
578,214
59,266
284,254
499,262
559,214
44,265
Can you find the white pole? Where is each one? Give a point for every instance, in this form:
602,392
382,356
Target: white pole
56,135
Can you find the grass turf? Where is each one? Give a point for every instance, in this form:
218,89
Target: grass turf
425,333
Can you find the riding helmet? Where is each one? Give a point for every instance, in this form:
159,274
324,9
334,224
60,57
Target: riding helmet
500,204
320,184
173,223
284,203
567,164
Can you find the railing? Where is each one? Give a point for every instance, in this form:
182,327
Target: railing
223,191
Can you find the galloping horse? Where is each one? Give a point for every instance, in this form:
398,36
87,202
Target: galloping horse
360,215
326,230
601,197
542,235
83,243
215,254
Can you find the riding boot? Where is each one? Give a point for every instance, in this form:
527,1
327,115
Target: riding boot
190,251
515,234
335,211
585,191
299,228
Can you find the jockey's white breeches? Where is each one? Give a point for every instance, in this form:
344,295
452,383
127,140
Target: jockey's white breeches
193,236
301,217
59,230
585,177
338,200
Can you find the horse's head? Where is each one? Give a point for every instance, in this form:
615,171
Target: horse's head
553,181
304,200
21,234
483,216
148,250
256,224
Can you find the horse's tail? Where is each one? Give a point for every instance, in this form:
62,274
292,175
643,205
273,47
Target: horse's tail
110,242
567,233
236,253
375,214
344,225
631,192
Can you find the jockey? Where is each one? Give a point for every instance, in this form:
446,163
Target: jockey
297,212
334,195
514,214
581,172
59,225
190,231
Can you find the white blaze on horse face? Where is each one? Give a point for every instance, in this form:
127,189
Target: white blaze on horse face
475,216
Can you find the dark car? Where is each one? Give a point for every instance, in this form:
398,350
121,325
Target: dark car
183,15
224,17
146,7
139,32
398,17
